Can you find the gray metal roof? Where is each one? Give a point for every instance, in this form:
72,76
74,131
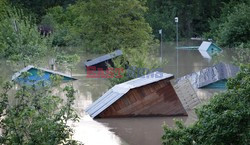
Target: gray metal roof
186,94
103,58
211,75
204,45
27,68
119,90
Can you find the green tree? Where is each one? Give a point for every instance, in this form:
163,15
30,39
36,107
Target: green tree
39,7
242,53
194,16
161,16
66,31
236,29
224,120
68,61
108,25
232,19
20,39
36,116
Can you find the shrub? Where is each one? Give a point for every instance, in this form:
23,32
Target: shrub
224,120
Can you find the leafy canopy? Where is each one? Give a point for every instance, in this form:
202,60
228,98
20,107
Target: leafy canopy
224,121
36,116
103,26
20,39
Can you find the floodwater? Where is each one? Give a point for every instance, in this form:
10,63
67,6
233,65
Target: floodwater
133,131
141,130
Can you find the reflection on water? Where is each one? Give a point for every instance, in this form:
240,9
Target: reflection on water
91,132
131,131
140,131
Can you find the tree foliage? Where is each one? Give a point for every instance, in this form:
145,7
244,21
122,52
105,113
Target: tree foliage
194,16
231,28
39,7
19,37
236,29
224,120
66,31
241,54
104,26
31,116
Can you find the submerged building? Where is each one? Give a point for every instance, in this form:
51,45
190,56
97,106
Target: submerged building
214,77
208,49
149,95
103,61
38,76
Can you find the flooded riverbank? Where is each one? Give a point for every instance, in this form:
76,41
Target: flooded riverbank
132,131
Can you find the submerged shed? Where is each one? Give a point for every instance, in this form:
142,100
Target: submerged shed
206,55
102,61
214,77
38,75
187,94
150,95
209,47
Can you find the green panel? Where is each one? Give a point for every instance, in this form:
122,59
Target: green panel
217,85
214,49
188,47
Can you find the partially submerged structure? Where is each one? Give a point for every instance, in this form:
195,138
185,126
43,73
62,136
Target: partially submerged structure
103,61
187,94
214,77
206,55
207,49
188,47
150,95
38,76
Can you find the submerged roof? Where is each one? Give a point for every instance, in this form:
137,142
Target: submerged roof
211,75
16,76
116,92
205,46
103,58
205,54
186,94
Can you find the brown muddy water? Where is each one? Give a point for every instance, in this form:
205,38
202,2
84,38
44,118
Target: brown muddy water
132,131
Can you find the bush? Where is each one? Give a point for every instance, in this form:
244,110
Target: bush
236,29
225,120
232,27
34,116
102,26
65,32
20,39
242,53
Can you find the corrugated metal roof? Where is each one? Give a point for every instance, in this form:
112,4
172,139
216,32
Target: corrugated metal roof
119,90
17,74
211,75
186,94
103,58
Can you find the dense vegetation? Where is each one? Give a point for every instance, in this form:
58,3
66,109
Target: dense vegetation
19,37
101,26
224,120
36,116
